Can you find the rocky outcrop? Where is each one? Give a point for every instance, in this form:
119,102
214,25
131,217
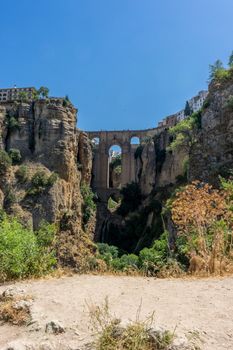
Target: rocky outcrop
45,134
156,166
213,154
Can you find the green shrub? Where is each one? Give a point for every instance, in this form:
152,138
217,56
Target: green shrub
229,103
10,197
89,206
104,248
5,162
15,155
22,174
23,253
12,123
151,259
41,181
52,179
125,262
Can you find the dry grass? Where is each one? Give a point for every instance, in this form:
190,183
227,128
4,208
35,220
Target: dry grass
11,311
137,335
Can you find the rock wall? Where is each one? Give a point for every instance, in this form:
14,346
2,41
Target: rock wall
157,167
45,134
213,154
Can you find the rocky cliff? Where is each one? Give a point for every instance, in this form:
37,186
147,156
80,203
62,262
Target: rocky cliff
45,183
213,154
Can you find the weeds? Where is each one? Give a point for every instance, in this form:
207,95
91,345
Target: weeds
15,309
137,335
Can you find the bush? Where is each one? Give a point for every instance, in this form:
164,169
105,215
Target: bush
137,335
23,253
10,196
12,123
41,181
125,261
152,259
104,248
22,174
89,206
15,155
229,103
5,162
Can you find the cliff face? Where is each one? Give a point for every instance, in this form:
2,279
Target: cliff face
213,153
45,134
157,167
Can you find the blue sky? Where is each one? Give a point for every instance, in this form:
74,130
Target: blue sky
125,64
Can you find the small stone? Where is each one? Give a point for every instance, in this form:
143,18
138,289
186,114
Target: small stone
22,305
12,292
54,327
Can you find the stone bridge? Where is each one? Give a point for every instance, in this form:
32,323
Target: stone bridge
107,139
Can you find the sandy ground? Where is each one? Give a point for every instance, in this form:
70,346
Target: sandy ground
203,306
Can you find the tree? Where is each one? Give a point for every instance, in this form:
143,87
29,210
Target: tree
187,110
23,96
35,94
185,133
214,68
230,63
43,92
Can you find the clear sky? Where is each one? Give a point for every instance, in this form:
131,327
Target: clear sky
124,63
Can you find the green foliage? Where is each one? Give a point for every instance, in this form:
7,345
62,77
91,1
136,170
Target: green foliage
214,69
41,181
125,262
66,101
12,123
185,132
112,205
15,155
89,206
23,253
230,62
229,104
23,96
131,198
104,248
5,162
43,92
22,174
116,161
206,103
10,197
187,109
151,259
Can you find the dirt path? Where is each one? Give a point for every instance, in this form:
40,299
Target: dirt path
204,306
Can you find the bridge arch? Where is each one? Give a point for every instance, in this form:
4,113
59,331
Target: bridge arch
101,155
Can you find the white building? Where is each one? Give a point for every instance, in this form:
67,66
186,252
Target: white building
195,104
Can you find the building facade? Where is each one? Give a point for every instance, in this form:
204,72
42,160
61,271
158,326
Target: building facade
14,94
195,104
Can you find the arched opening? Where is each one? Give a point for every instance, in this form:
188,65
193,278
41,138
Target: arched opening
114,167
134,140
95,141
